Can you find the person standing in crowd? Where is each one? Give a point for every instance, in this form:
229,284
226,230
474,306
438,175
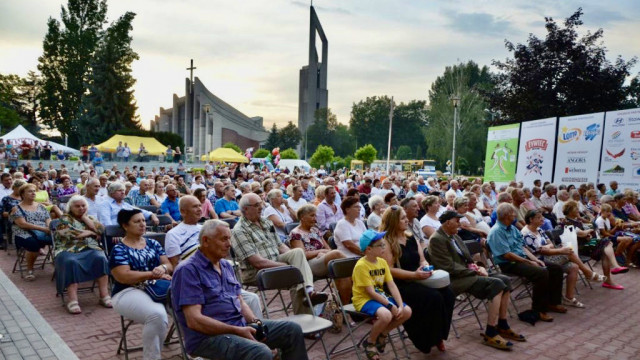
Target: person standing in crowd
169,154
215,324
120,151
177,155
126,152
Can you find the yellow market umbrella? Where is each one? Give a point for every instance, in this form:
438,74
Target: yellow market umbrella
153,146
225,155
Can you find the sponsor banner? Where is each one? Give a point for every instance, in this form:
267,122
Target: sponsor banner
535,155
578,141
502,152
620,158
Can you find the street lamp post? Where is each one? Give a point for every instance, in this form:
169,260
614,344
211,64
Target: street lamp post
455,100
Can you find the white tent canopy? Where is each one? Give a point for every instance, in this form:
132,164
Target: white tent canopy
19,135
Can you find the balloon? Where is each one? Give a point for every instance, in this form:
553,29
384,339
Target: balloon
275,151
277,160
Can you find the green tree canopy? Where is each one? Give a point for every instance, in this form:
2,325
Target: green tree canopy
233,146
288,137
10,101
562,74
366,153
469,82
289,154
273,140
322,156
261,153
404,152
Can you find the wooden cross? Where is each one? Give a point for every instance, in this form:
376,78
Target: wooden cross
191,68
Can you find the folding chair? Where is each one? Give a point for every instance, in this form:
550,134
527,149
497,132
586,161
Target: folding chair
340,269
231,222
163,221
159,237
465,306
110,233
152,208
284,278
21,259
554,236
177,327
290,226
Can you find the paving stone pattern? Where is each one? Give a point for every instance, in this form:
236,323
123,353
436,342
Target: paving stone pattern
607,329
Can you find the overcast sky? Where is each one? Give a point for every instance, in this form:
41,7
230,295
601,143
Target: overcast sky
249,52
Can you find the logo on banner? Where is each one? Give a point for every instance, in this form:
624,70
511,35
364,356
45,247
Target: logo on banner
618,122
534,162
634,154
634,119
616,135
568,170
568,135
576,160
635,134
592,131
636,172
536,144
615,170
615,155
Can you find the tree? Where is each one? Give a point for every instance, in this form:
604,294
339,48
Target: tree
261,153
289,154
68,47
366,153
289,137
30,91
404,152
9,101
233,146
273,140
468,81
109,104
563,74
322,156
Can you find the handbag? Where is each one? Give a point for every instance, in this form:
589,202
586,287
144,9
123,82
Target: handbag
439,279
569,238
157,289
332,312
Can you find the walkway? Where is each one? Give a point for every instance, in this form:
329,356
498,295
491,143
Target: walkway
40,328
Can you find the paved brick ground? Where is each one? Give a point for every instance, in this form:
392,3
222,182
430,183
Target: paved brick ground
607,329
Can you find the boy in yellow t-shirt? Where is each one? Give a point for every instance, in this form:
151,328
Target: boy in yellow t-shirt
370,275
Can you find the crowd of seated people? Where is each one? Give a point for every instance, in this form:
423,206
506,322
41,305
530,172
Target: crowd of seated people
241,219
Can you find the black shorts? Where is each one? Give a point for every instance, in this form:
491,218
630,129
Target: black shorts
488,287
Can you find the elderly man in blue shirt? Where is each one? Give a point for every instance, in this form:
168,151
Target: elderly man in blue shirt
213,315
109,208
511,254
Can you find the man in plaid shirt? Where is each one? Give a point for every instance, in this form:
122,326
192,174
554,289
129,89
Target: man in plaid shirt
257,246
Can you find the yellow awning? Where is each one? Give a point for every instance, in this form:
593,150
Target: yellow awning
226,155
153,146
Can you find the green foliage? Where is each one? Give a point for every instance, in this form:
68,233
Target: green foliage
166,138
233,146
289,137
109,104
562,74
404,153
370,122
465,80
327,131
366,153
322,156
289,154
9,101
273,140
261,153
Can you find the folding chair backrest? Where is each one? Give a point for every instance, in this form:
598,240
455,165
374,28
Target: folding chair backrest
112,231
64,199
290,226
152,208
231,222
164,220
332,227
342,268
554,235
279,278
159,237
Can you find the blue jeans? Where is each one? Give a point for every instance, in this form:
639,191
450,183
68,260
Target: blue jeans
283,335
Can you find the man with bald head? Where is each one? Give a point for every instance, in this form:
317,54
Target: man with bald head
182,241
258,246
92,188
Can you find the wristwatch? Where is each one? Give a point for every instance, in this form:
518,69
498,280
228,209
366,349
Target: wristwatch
389,305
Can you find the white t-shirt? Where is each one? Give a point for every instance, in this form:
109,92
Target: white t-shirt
557,209
283,214
195,186
374,221
346,232
428,221
603,224
295,205
182,240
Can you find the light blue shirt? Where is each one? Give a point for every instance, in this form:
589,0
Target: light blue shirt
505,239
108,211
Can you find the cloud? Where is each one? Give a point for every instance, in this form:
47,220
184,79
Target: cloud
330,9
478,23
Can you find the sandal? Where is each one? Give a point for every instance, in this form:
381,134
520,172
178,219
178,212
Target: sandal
73,308
106,302
381,342
572,302
30,276
497,342
597,277
370,350
510,334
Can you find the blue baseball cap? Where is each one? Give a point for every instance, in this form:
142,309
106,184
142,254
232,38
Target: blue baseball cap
369,237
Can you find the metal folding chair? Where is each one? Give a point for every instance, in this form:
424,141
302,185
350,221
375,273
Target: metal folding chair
290,226
284,278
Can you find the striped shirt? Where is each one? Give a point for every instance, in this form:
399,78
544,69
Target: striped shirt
182,240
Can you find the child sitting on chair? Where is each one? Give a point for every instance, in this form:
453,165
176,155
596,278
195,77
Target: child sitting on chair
370,275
